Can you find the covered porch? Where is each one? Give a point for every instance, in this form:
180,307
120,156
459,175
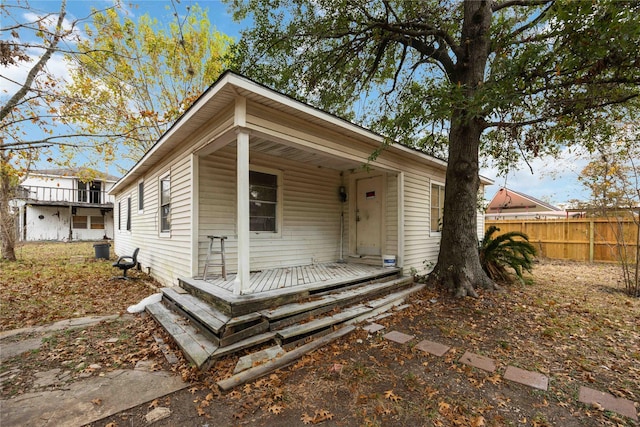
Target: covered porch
292,207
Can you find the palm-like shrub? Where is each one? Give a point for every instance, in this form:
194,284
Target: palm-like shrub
508,250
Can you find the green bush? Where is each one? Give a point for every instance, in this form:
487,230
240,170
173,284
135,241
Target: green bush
508,250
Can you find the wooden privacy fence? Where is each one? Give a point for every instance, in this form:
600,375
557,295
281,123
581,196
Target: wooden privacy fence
583,239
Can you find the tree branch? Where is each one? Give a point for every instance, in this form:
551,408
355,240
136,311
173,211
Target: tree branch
511,3
4,111
568,111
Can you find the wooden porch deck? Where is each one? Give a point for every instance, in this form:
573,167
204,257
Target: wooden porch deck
278,286
313,276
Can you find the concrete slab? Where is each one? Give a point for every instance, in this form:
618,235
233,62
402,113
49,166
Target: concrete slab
609,402
477,361
9,350
432,347
47,378
532,379
88,400
398,337
373,328
78,322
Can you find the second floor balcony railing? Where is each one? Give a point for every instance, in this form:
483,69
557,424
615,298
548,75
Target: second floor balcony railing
70,195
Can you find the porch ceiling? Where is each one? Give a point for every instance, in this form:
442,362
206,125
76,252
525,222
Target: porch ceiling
301,155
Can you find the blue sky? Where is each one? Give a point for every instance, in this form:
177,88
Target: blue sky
552,180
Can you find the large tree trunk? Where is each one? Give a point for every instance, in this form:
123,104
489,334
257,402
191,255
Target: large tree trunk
458,267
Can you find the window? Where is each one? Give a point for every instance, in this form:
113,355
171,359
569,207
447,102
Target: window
82,191
437,205
263,201
97,223
120,215
141,195
129,213
95,192
165,204
90,192
80,222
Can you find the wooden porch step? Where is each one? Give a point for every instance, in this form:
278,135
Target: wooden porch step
201,311
195,346
295,312
296,331
353,314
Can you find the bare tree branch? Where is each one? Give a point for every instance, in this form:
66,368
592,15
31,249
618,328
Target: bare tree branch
21,93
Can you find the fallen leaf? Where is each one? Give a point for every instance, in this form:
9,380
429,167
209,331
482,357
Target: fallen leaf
443,407
494,379
97,402
478,421
389,394
153,404
306,419
276,409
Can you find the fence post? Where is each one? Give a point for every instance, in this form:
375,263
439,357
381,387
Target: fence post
591,241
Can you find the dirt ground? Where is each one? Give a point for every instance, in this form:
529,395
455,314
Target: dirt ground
569,321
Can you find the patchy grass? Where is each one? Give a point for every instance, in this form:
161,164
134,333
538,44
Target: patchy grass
44,286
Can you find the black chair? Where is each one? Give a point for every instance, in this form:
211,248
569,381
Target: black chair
125,263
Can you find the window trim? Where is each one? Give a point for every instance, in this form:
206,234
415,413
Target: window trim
162,232
120,215
129,213
141,196
279,197
440,207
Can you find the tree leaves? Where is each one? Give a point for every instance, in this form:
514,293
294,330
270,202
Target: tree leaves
137,77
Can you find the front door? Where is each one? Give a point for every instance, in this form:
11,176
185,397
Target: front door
369,215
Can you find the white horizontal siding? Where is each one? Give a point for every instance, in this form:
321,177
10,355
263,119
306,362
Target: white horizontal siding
310,212
420,246
168,257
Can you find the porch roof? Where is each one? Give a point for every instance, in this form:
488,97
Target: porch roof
224,92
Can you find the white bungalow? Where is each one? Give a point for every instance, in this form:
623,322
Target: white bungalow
291,188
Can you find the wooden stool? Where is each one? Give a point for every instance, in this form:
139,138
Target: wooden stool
210,263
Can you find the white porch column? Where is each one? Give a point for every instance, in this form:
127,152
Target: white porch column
241,284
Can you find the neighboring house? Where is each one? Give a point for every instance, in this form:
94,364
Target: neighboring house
510,204
307,196
58,204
